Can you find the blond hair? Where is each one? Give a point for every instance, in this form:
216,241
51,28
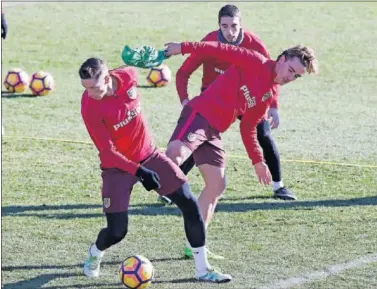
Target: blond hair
305,55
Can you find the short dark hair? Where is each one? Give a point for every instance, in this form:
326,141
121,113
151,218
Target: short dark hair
229,11
91,68
304,54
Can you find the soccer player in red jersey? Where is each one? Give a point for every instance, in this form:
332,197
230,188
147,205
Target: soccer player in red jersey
111,111
246,90
231,32
210,157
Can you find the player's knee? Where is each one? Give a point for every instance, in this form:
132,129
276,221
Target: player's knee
216,188
184,199
117,224
119,231
221,186
214,180
177,152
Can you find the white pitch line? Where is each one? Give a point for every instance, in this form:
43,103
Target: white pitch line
317,275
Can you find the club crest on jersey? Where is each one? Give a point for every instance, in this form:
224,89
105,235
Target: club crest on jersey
191,137
132,92
106,202
266,96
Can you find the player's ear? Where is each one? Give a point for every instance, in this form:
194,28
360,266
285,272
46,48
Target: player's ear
107,79
282,59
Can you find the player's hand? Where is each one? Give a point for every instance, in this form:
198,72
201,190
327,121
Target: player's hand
149,178
263,173
273,113
4,26
185,101
172,48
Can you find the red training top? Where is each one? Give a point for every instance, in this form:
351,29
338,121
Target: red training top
246,89
116,125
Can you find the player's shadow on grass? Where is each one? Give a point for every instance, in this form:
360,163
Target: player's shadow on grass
80,265
158,209
39,281
245,198
176,281
7,94
8,210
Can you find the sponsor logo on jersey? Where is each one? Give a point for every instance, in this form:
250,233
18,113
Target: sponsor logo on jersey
249,99
131,114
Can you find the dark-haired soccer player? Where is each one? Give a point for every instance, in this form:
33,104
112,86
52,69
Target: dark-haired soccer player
111,111
246,90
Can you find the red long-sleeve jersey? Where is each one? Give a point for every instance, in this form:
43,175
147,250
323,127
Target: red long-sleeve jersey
116,125
246,89
213,67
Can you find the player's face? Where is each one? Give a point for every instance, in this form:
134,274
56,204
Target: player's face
288,70
230,27
97,87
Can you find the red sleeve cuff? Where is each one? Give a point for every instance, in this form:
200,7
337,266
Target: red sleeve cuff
184,48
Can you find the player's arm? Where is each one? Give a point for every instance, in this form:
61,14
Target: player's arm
273,112
109,156
275,98
248,129
239,56
192,63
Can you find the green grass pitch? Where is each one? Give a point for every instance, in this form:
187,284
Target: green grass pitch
51,189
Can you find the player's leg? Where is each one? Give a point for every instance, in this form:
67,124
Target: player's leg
211,163
214,187
187,165
195,234
116,190
174,185
115,231
272,157
187,136
178,152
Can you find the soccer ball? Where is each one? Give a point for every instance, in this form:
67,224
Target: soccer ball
159,76
16,80
136,272
41,83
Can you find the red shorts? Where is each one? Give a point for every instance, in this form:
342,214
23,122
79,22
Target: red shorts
203,140
117,184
